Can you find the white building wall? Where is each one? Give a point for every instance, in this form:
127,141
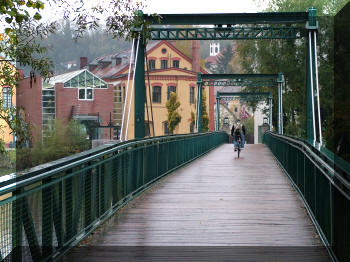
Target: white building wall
258,120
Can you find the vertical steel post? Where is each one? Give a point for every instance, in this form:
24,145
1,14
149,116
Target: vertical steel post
140,88
319,122
280,81
218,113
311,26
199,108
270,112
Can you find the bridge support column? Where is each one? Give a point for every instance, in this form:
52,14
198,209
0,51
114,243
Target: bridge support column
270,112
280,81
199,102
217,113
140,87
313,114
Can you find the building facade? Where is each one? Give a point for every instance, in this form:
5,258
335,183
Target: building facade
76,95
167,70
8,100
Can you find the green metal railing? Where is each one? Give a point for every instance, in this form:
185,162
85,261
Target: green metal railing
47,211
323,184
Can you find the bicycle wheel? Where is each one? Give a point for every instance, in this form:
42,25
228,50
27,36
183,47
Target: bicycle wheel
238,150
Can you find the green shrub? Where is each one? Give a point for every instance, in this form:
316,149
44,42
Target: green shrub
59,140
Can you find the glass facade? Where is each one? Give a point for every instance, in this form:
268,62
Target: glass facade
48,107
85,80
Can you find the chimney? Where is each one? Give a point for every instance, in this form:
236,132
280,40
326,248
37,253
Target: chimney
20,74
196,57
83,62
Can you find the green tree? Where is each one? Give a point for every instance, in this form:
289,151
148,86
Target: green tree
24,32
223,61
205,115
174,118
289,57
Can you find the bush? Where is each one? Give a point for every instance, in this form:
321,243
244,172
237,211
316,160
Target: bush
59,140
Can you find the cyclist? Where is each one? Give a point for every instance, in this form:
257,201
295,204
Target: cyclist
238,129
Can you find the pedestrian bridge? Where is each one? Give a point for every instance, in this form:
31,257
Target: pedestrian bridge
181,198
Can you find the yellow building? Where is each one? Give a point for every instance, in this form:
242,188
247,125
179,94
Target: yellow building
169,71
8,99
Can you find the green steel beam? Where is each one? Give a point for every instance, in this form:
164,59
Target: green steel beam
252,83
229,33
251,80
140,89
312,83
217,114
228,19
246,98
222,94
239,76
246,95
199,101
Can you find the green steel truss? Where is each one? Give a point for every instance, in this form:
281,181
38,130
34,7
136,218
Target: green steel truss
227,33
247,96
256,96
239,76
239,26
248,83
229,19
247,80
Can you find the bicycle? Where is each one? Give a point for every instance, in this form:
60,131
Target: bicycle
238,145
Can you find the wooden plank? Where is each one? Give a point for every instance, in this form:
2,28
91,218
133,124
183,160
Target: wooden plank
220,201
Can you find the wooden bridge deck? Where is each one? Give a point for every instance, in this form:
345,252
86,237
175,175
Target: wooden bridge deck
216,201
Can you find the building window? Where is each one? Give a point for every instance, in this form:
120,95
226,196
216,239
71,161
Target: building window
164,64
157,94
166,129
191,94
124,94
163,50
6,97
171,89
147,129
85,94
236,109
192,128
176,63
119,93
152,64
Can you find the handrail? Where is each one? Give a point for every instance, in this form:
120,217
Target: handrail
51,208
68,162
324,186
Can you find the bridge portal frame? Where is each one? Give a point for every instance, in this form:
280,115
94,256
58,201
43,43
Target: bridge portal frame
258,96
225,28
248,80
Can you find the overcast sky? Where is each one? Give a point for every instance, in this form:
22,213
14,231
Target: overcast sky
201,6
171,7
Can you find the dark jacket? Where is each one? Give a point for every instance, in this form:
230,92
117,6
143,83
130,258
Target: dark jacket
233,129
